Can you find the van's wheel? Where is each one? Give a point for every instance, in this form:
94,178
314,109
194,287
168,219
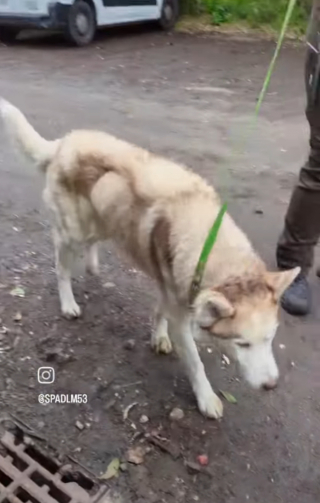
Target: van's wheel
169,14
81,27
8,34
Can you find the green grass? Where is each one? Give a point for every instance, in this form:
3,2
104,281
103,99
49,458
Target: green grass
255,13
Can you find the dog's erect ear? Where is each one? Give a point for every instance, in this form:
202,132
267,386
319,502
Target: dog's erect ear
210,306
280,281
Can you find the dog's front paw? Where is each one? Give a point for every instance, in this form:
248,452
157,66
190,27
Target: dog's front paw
162,344
71,310
210,405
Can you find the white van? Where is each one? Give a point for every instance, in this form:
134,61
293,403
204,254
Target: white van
79,19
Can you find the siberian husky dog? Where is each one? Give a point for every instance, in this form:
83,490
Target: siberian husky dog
99,187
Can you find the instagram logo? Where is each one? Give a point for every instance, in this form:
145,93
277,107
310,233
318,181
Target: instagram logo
46,375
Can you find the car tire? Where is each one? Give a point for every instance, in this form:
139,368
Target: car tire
8,34
169,14
82,24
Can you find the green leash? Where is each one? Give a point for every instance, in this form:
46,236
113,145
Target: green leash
212,236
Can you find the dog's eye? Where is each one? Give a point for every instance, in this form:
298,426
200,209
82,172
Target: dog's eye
243,344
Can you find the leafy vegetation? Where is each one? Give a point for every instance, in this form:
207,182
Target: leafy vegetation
254,13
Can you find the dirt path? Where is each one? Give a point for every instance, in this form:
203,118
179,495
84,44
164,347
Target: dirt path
189,98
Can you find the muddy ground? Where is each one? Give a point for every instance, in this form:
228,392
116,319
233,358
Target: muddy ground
190,98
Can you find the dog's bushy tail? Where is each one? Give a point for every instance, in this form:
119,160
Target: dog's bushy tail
36,148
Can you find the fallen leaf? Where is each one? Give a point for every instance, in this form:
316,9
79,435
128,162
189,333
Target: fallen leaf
18,291
230,398
112,470
136,455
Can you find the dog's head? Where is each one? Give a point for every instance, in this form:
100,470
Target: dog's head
245,313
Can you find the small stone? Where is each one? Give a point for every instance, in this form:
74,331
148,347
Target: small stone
176,414
123,467
144,419
58,355
41,425
65,469
225,359
9,383
203,460
17,317
79,425
109,285
129,344
193,467
15,342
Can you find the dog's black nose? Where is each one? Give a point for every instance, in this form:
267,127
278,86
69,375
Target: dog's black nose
269,385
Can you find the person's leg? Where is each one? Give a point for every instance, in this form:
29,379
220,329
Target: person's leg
302,222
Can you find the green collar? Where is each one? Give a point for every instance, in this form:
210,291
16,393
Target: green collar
206,250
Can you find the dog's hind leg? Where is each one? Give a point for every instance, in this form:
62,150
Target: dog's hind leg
160,340
64,261
92,259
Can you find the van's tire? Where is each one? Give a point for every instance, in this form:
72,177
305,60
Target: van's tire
82,24
169,14
8,34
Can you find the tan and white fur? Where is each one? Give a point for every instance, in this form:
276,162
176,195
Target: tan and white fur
99,187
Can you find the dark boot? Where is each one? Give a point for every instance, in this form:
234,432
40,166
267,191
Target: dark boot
296,300
296,247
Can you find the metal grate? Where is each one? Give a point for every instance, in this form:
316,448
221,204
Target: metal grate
27,475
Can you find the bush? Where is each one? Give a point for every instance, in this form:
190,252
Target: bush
253,12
